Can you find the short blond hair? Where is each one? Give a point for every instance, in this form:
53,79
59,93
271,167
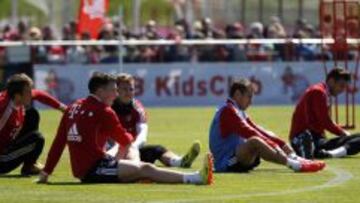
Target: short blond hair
124,78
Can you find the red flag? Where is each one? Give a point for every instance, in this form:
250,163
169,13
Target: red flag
92,16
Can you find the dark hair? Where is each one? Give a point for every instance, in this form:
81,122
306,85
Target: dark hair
243,85
16,84
99,80
339,74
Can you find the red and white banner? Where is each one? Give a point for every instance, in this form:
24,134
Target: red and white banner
186,84
92,15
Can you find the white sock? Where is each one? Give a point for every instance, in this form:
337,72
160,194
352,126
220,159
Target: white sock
296,157
293,164
192,178
338,152
293,156
175,161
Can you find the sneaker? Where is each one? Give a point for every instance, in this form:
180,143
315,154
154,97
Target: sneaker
321,164
312,166
191,155
34,169
206,172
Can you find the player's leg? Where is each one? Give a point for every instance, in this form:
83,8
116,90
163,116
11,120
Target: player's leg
129,171
151,153
25,150
256,147
342,146
352,144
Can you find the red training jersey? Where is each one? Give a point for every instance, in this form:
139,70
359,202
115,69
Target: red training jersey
313,113
85,127
235,121
130,115
12,117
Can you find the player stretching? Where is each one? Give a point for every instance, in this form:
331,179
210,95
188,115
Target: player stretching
312,117
88,124
238,144
133,118
20,140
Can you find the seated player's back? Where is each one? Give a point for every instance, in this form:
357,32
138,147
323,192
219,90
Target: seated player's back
85,127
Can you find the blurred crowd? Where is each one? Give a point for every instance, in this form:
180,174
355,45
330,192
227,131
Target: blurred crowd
202,29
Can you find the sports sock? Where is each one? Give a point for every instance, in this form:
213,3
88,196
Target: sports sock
175,161
296,157
192,177
293,156
293,164
338,152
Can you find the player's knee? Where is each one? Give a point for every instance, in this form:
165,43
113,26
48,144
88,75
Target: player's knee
39,137
254,145
254,141
146,168
160,150
39,141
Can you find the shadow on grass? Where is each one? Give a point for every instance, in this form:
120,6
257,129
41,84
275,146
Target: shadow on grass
274,170
261,170
66,183
80,183
15,176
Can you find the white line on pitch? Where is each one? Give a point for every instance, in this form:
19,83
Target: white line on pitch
341,176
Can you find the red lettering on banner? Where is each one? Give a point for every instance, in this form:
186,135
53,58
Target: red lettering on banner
215,80
177,85
230,80
202,88
161,86
188,87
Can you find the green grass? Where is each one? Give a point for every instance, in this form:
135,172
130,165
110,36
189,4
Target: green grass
176,128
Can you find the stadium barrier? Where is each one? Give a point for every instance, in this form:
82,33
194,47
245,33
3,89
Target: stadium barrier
190,84
183,84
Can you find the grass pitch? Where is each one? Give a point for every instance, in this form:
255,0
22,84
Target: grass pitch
176,128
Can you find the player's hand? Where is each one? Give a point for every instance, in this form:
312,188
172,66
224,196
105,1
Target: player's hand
346,133
133,153
63,108
43,178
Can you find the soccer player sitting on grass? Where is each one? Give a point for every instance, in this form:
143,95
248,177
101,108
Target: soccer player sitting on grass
86,126
237,143
312,117
20,140
133,118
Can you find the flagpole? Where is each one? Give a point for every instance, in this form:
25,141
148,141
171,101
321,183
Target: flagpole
120,37
14,12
